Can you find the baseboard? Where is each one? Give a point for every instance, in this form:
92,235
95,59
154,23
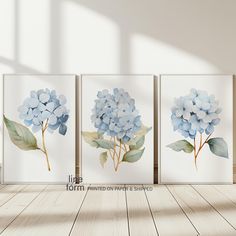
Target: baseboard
156,173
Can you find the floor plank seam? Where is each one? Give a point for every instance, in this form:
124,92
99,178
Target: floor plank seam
213,207
151,212
224,195
198,233
77,214
14,195
24,208
127,210
2,187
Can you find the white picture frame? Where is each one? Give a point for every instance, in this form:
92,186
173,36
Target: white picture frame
177,167
140,88
21,166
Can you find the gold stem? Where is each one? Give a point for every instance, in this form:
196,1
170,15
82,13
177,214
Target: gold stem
110,151
111,155
44,145
200,148
114,153
125,148
200,140
195,154
118,160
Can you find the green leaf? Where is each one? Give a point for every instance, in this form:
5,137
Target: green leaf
219,147
133,155
90,137
103,158
181,145
143,131
106,144
138,142
20,135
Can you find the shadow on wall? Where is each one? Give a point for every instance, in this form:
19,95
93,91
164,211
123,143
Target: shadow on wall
206,30
199,28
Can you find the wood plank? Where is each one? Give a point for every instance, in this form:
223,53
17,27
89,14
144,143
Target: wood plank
219,201
228,190
51,213
206,220
9,192
102,213
2,186
168,216
10,210
141,221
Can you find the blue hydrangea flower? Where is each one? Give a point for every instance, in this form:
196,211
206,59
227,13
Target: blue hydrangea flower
115,114
44,106
196,112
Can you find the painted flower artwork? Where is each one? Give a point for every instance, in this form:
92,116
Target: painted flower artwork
42,111
196,117
119,129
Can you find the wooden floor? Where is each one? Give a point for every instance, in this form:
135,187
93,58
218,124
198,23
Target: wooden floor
134,210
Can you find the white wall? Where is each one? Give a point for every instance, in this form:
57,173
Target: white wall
118,36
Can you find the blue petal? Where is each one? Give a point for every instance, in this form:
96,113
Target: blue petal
41,107
30,115
44,97
36,121
62,129
64,118
50,106
45,115
216,121
53,94
33,94
40,91
184,133
54,127
36,112
210,129
62,100
33,102
36,128
59,111
52,120
28,122
125,139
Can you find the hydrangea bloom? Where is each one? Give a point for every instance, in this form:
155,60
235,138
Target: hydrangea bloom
45,106
196,112
115,114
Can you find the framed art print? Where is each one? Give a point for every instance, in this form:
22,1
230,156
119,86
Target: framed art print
196,129
117,129
39,128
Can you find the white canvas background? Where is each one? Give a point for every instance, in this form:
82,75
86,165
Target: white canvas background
30,166
178,167
141,89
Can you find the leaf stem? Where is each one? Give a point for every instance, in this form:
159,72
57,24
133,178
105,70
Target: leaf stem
195,153
125,148
200,140
118,160
202,145
44,149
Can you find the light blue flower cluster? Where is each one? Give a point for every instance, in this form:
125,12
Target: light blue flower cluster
115,114
196,112
45,107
